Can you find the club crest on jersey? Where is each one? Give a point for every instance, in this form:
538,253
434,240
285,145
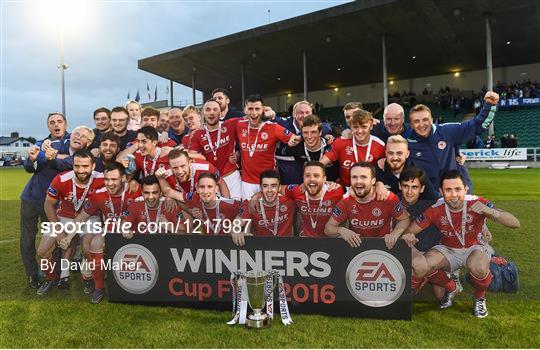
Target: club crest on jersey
224,129
469,218
291,187
264,135
441,145
286,132
87,204
283,208
376,212
327,203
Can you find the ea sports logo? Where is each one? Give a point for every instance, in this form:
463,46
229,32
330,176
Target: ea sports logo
138,271
375,278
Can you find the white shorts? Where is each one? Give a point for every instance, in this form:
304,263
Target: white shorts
234,183
248,190
84,227
457,257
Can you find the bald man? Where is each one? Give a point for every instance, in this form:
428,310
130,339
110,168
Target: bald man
394,122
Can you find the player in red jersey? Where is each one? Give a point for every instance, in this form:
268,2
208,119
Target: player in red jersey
361,147
184,175
460,218
367,216
315,199
149,157
212,214
70,190
111,203
258,143
216,141
150,214
272,216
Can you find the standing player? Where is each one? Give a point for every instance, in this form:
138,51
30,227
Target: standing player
150,117
362,147
258,143
460,218
367,216
184,175
148,157
314,199
111,203
272,216
151,215
216,141
119,122
69,190
227,112
192,118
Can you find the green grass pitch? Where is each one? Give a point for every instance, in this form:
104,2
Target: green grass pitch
68,320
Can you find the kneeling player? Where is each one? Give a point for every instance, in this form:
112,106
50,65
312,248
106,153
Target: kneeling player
367,216
152,215
273,214
460,218
70,191
111,202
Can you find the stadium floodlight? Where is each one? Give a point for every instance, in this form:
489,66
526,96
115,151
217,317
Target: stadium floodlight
63,16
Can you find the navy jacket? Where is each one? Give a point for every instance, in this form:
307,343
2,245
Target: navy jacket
436,153
36,188
289,169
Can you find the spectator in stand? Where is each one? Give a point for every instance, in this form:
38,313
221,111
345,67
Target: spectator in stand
490,142
504,140
512,141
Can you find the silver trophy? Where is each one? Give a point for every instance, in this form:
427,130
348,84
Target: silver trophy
260,287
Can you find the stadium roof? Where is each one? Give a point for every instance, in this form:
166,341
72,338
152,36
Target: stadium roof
443,36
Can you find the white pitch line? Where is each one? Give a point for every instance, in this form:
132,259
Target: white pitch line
8,241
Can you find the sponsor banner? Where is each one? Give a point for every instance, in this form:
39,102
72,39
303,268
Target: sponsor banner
495,153
322,275
523,101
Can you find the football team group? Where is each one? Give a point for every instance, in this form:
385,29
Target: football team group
220,171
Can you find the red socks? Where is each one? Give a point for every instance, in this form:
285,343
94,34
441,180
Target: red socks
481,285
98,274
50,273
440,278
417,283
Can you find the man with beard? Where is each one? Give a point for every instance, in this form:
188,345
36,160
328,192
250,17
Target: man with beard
34,193
274,214
258,142
177,128
108,150
361,147
65,198
314,198
134,112
461,219
119,122
289,170
111,203
227,112
81,138
367,216
212,214
151,215
163,122
102,119
396,161
312,147
184,174
216,142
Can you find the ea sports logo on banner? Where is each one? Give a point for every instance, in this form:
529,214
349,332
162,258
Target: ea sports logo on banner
375,278
138,271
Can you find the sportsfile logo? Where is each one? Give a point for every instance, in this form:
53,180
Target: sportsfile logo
375,278
139,272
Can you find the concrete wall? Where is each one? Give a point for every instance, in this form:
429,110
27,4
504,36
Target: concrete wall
472,80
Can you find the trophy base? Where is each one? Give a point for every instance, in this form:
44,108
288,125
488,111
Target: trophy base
258,324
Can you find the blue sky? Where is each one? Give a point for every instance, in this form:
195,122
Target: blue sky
102,49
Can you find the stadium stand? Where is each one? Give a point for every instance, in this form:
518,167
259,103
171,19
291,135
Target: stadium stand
524,122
